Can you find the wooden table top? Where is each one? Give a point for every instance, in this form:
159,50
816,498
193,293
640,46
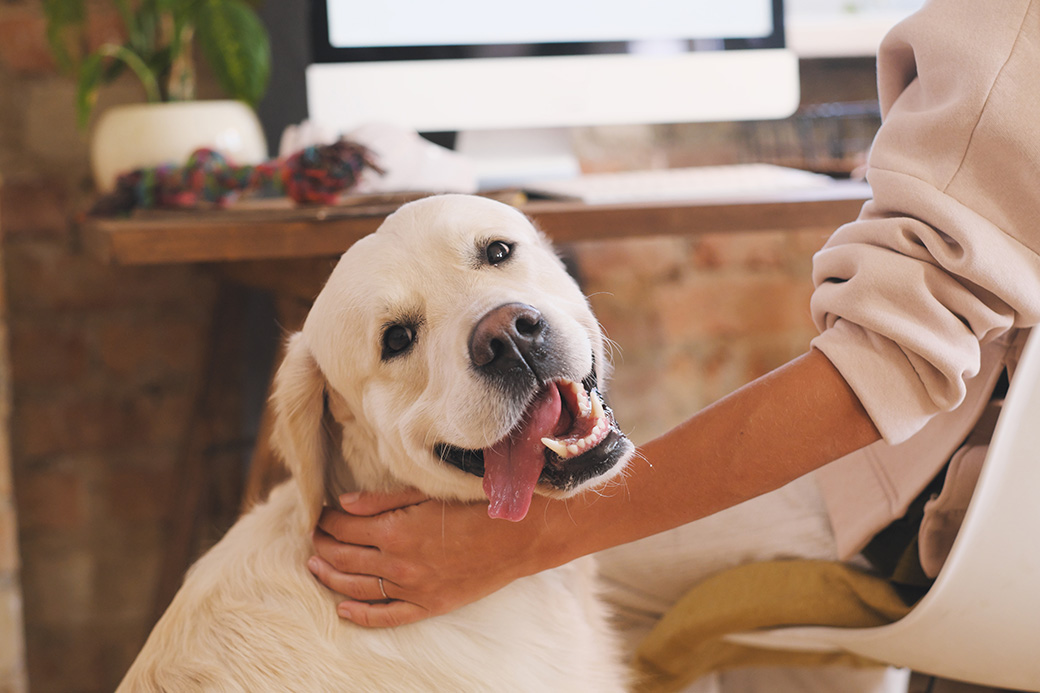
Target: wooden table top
268,231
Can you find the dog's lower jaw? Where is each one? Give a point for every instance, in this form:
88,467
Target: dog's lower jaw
339,480
356,467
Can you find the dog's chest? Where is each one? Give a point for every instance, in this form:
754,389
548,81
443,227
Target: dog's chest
250,617
545,632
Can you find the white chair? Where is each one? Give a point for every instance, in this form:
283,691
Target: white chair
980,622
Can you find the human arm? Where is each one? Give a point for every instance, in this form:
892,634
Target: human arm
435,557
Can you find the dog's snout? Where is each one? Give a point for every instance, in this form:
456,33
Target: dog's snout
507,337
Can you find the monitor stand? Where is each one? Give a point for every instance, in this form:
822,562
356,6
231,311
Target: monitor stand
510,158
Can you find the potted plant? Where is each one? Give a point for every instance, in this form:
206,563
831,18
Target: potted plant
159,49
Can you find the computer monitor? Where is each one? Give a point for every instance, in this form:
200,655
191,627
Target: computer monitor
508,77
842,28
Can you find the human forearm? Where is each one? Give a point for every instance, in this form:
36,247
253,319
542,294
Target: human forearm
762,436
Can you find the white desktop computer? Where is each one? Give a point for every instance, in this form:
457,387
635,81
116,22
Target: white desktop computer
510,78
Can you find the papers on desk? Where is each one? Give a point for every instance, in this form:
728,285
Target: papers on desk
709,183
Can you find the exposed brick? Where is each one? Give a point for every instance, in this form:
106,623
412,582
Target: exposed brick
767,353
50,278
104,26
715,307
23,37
51,135
23,41
641,395
625,324
34,209
605,265
107,422
754,251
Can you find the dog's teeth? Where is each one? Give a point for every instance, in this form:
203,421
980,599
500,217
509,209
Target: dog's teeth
591,407
597,406
581,397
556,446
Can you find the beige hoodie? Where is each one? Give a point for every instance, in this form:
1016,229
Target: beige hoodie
919,300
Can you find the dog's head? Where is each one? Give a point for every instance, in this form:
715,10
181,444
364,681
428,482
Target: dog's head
459,357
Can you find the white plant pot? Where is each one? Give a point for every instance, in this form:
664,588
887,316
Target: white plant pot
151,134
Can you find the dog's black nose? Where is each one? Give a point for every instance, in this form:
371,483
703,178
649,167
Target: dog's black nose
508,338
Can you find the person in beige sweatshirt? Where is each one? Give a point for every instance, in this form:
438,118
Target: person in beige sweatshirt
922,303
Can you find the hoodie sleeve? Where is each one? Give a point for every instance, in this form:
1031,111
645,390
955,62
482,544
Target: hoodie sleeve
945,256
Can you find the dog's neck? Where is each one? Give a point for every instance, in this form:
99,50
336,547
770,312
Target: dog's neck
342,461
345,468
338,477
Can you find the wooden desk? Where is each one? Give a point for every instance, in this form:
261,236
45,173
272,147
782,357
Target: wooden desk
290,252
280,233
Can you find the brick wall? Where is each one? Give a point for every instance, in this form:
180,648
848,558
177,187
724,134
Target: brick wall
695,318
12,645
105,361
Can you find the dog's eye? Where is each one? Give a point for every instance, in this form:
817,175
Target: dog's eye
497,252
396,340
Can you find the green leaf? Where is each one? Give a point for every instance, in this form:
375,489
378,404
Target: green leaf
65,21
126,14
235,45
137,65
87,89
178,7
96,69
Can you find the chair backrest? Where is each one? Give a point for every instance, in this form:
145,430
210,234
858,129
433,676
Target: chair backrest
980,621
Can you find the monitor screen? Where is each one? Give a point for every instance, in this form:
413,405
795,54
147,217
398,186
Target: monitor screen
477,22
479,66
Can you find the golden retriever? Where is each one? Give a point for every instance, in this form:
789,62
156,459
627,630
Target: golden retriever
449,351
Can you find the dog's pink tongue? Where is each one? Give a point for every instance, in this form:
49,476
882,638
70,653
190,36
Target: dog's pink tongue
512,466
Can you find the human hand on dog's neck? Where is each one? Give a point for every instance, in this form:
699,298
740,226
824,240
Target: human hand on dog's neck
435,556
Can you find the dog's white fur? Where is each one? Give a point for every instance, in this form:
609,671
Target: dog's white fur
250,617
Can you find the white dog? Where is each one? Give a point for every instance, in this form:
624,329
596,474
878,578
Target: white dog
449,351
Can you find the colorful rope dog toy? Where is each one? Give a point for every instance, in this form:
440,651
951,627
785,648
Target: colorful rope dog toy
314,175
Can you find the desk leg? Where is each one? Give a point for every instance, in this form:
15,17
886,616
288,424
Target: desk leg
265,469
211,443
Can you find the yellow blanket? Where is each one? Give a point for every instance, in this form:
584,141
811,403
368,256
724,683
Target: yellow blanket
688,642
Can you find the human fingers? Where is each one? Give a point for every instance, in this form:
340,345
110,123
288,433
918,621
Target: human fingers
359,530
364,591
348,557
367,588
367,516
376,503
437,556
382,614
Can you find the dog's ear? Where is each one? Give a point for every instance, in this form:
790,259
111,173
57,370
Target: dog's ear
301,435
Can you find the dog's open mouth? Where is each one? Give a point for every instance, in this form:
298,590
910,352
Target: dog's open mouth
566,437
